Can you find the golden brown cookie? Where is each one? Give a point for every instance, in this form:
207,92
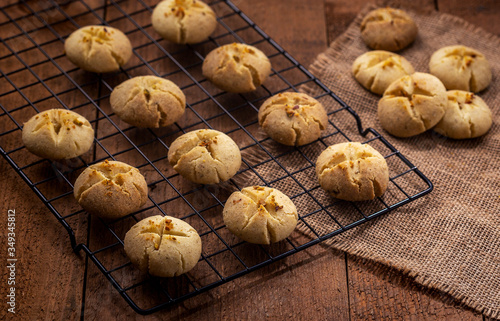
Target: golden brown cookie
111,189
292,118
236,67
58,134
352,171
260,215
205,156
98,48
163,246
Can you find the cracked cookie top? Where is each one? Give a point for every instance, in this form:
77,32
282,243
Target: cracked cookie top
352,171
163,246
98,48
184,21
58,134
388,29
205,156
412,104
111,189
148,101
376,70
236,67
462,68
466,116
260,215
292,118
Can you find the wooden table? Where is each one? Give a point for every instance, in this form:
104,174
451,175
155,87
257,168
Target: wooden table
53,283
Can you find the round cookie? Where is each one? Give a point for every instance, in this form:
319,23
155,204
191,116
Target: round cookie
260,215
205,156
98,48
412,104
376,70
292,118
163,246
466,116
184,21
148,101
352,171
111,189
58,134
236,67
388,29
462,68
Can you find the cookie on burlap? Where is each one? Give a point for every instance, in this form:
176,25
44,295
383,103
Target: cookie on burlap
163,246
376,70
292,118
260,215
98,48
466,116
412,104
462,68
58,134
148,101
352,171
184,21
236,67
205,156
388,29
111,189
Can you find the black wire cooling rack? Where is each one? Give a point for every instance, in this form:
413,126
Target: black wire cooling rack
36,76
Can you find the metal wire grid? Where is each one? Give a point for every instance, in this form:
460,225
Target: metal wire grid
28,87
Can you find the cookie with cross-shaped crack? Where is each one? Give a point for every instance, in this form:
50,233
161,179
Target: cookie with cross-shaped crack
163,246
236,67
292,118
412,104
111,189
98,48
260,215
148,101
205,156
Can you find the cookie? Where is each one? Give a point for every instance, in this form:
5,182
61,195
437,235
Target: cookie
111,189
412,104
236,67
58,134
205,156
98,48
163,246
260,215
352,171
184,21
376,70
148,101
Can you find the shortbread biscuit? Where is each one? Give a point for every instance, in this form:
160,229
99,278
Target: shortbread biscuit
462,68
236,67
260,215
352,172
466,116
111,189
376,70
292,118
205,156
184,21
148,101
58,134
98,48
412,104
163,246
388,29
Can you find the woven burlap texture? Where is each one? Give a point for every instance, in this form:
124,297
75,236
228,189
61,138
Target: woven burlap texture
449,240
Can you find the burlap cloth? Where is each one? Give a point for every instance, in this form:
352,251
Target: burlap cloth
449,240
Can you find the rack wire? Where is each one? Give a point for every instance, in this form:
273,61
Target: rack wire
36,76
